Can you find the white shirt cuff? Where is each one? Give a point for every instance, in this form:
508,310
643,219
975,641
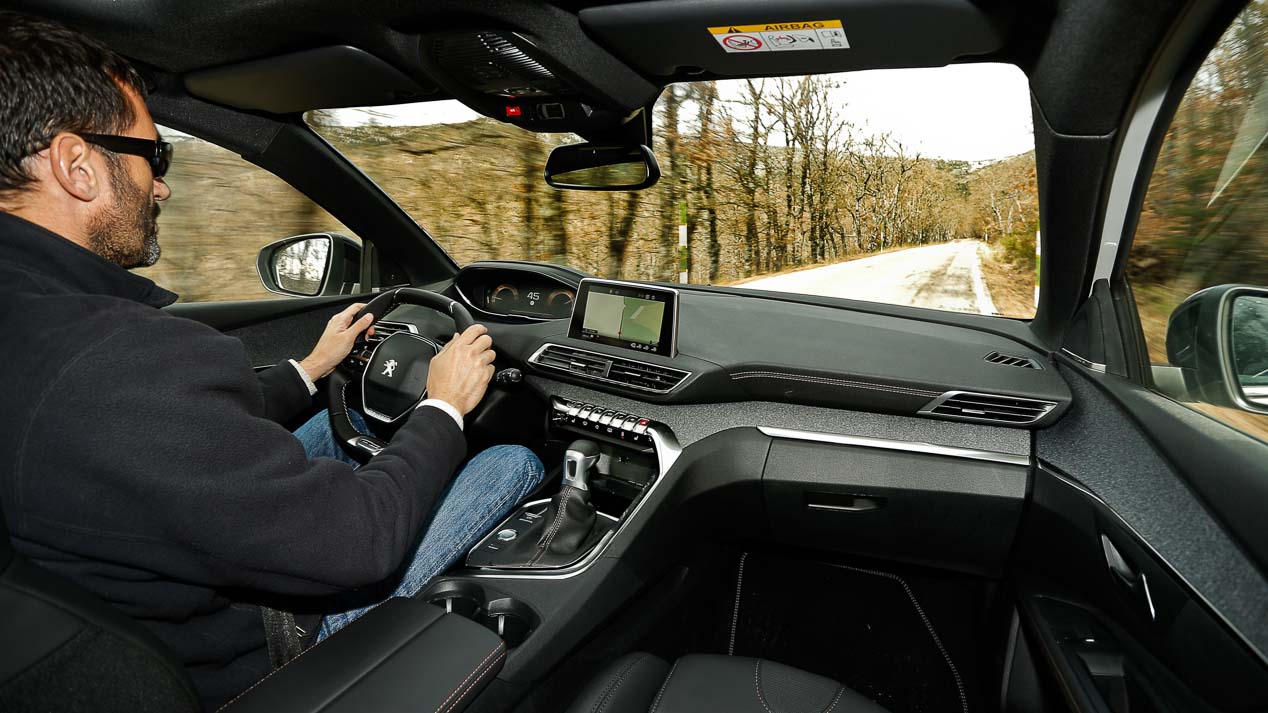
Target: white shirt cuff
308,381
446,407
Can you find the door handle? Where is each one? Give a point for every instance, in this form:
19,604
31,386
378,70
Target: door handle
1128,576
1118,564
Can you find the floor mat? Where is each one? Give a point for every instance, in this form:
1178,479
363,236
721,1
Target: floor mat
903,641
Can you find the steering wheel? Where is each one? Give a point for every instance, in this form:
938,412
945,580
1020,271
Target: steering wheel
392,374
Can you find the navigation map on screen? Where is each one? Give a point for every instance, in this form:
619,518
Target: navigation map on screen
629,319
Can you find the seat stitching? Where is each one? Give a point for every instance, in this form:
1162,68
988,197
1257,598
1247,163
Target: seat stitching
343,395
271,674
471,687
835,700
955,673
602,703
468,678
757,681
554,530
663,686
735,613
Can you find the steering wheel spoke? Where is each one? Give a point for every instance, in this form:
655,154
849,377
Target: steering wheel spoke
390,375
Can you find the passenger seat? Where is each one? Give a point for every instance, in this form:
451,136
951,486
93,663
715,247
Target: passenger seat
642,683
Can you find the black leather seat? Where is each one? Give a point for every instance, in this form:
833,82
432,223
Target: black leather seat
66,650
642,683
63,649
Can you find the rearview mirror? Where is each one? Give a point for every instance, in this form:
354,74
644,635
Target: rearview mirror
1218,338
589,167
311,265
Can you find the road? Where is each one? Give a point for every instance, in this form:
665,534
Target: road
946,276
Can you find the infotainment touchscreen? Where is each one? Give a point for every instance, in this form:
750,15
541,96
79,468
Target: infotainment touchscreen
628,315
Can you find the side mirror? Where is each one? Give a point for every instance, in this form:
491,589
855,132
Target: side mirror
589,167
311,265
1218,338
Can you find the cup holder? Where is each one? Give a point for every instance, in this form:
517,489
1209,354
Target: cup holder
461,598
509,618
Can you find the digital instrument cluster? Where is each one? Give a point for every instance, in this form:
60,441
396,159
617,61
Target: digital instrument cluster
516,293
547,301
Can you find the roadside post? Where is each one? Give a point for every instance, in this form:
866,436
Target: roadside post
684,255
1038,257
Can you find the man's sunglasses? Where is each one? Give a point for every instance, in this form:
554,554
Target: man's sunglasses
158,153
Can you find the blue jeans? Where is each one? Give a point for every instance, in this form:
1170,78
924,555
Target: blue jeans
481,495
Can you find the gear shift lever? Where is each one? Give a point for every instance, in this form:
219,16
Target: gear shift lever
570,516
580,457
557,535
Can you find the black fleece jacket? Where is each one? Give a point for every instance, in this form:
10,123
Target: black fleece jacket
143,458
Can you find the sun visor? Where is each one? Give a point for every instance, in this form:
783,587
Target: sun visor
667,38
323,78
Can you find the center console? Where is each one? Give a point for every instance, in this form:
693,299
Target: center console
606,476
403,654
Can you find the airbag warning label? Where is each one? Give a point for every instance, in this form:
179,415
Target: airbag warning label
782,36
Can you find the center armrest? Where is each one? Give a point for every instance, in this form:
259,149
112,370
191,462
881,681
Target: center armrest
403,655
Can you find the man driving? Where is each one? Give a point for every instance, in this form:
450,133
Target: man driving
142,456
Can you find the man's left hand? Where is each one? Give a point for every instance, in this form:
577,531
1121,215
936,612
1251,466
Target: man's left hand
336,342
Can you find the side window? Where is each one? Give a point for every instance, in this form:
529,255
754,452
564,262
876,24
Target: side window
223,209
1204,221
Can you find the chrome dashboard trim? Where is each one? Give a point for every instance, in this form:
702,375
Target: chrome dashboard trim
534,360
1088,363
892,445
667,454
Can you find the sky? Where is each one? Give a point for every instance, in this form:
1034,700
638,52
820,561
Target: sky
969,112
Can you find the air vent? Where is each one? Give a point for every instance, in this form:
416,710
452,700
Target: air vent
988,408
1010,360
383,330
611,369
573,360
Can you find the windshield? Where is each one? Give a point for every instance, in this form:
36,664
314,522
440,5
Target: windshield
912,187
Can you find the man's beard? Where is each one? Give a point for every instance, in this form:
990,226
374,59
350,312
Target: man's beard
126,233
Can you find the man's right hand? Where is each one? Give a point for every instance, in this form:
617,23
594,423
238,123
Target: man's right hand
461,372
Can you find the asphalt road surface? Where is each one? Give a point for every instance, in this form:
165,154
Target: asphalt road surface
946,276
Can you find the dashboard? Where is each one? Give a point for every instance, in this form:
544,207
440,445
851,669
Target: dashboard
688,344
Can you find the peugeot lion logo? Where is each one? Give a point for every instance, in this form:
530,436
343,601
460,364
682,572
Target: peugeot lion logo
389,368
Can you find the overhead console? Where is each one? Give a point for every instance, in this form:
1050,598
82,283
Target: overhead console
545,74
665,38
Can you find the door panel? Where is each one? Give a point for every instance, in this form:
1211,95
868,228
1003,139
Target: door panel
1135,593
272,330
